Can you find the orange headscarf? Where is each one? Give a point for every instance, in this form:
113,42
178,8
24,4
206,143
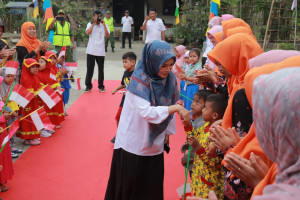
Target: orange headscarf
239,29
26,41
219,36
232,23
234,54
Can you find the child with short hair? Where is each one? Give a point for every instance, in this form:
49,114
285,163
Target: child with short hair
197,122
129,61
207,172
191,88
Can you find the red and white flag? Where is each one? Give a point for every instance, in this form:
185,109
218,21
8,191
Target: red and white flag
21,95
11,67
71,66
49,96
41,120
53,75
12,130
77,84
60,91
62,52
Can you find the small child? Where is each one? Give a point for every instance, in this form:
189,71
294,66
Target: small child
63,75
5,156
197,122
59,107
182,82
129,61
191,88
31,82
207,172
5,86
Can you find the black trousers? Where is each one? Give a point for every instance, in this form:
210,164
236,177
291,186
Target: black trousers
90,70
124,36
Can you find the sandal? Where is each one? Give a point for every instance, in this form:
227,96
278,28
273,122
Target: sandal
3,188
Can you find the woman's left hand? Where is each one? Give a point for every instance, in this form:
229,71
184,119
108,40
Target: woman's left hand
246,170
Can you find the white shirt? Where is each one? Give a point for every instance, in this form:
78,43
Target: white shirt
133,130
96,45
127,22
209,47
154,29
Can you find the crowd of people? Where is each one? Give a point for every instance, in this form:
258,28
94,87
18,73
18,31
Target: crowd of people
238,106
37,68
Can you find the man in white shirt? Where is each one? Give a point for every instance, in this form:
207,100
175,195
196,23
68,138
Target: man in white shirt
154,26
97,31
127,21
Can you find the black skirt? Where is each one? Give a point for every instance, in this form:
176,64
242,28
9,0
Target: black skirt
134,177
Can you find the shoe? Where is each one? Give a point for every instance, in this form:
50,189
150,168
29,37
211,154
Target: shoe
14,155
105,49
130,47
32,142
113,140
45,134
58,127
72,79
87,90
122,47
112,49
102,90
66,114
14,150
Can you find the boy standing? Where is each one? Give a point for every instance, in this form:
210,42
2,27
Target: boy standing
129,61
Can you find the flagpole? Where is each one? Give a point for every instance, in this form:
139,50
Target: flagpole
296,14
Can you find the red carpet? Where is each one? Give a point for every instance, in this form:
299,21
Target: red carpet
75,162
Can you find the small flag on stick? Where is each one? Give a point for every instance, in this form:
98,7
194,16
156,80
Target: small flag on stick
62,52
11,67
12,130
21,95
53,74
41,120
77,84
71,66
49,96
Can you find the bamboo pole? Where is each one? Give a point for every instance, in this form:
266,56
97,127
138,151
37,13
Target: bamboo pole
268,24
295,38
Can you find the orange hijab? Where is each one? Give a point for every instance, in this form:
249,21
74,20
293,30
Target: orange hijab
234,54
219,36
26,41
232,23
239,29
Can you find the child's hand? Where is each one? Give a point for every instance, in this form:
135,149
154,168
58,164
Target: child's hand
194,143
182,76
211,150
113,91
183,161
14,114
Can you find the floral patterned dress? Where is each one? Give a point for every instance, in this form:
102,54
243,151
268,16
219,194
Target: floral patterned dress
207,172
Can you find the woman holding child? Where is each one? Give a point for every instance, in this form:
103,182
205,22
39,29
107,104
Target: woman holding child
147,116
